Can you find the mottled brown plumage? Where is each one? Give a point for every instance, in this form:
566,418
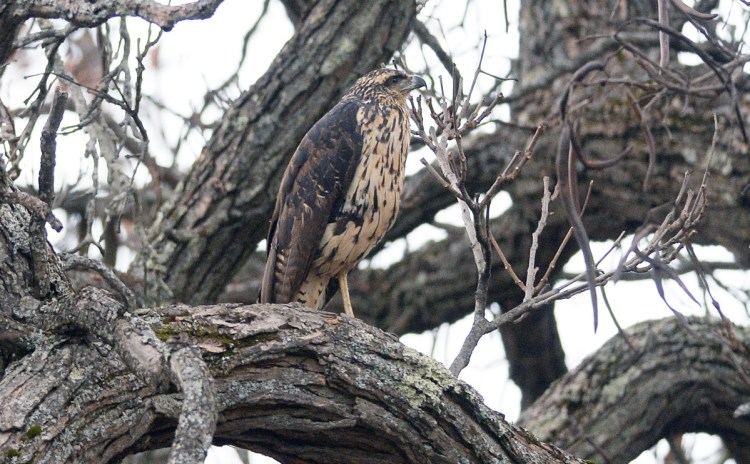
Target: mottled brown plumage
340,193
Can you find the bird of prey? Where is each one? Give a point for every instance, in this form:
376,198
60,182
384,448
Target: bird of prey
340,192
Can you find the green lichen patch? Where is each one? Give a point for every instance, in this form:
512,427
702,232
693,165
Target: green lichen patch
34,431
428,382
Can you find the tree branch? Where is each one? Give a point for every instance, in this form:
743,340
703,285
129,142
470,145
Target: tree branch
291,382
195,428
622,400
49,147
94,12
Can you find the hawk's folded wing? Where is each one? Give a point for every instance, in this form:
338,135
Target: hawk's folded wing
313,186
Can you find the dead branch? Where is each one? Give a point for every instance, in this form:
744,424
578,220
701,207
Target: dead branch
96,12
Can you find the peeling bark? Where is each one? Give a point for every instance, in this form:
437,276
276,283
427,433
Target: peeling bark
94,12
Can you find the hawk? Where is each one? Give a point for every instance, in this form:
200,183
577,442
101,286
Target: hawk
340,192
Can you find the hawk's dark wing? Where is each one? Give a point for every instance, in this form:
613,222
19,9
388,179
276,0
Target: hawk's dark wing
313,187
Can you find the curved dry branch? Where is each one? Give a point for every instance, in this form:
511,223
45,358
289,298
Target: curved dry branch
622,400
197,422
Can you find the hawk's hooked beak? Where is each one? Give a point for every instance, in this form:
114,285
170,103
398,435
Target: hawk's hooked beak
414,83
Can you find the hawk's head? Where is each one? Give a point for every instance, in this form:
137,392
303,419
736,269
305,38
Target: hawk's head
387,85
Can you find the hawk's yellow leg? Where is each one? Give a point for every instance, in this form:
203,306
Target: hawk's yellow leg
344,287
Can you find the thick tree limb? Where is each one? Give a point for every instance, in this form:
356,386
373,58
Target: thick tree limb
297,384
621,401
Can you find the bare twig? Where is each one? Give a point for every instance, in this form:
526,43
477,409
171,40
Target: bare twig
36,206
532,269
693,12
649,138
49,147
514,167
33,110
427,38
663,37
508,267
551,266
453,122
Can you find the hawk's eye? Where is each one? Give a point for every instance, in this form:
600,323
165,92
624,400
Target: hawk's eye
393,80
